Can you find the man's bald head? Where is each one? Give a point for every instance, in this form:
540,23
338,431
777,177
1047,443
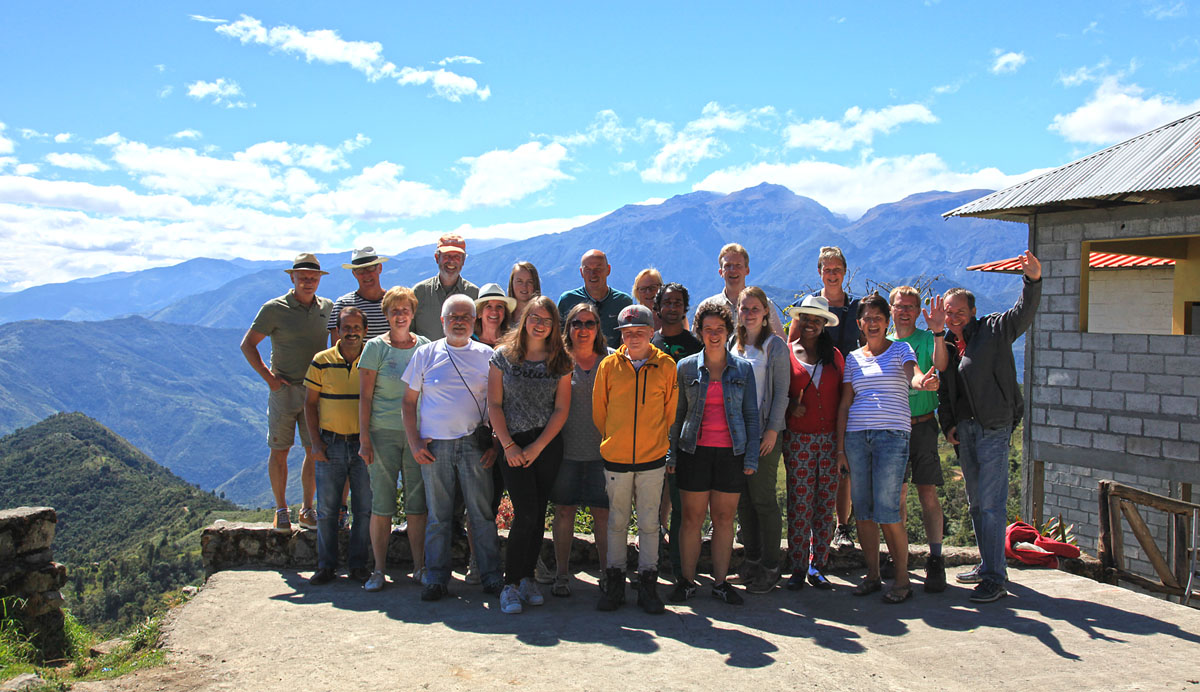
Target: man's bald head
594,269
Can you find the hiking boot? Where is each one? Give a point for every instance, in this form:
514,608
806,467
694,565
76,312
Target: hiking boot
360,574
614,590
683,590
647,597
510,600
987,592
322,576
472,577
887,567
433,592
728,593
746,574
841,539
530,593
375,582
283,520
764,581
796,581
971,576
308,519
543,574
935,574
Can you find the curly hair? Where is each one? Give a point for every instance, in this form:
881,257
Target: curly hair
711,308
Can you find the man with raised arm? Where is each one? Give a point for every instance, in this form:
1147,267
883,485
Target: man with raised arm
979,404
609,302
295,323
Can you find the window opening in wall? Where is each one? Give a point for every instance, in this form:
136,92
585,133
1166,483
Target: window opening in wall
1191,320
1139,285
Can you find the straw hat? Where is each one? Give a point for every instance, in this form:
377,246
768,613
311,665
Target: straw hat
814,305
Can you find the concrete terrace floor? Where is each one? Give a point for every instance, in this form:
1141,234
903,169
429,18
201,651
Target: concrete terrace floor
267,630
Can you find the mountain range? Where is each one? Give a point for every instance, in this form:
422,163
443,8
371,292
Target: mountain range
168,374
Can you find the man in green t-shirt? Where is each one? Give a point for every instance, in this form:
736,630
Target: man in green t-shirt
924,462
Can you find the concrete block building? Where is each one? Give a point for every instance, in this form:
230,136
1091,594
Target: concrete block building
1112,362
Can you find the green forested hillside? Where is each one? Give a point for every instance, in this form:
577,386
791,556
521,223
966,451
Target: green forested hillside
127,527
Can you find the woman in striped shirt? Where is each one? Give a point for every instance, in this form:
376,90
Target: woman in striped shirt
873,427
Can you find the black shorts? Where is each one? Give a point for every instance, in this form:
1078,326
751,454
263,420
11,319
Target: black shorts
924,464
711,468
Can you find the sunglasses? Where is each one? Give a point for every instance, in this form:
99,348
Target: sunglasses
583,324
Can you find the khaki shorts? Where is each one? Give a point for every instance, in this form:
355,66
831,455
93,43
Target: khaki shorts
394,461
285,411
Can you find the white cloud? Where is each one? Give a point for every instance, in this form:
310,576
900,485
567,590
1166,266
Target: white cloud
222,92
207,20
378,193
79,162
1117,111
856,127
184,171
27,168
1083,74
326,46
165,91
853,189
187,134
1160,10
63,137
27,133
459,59
947,88
500,177
697,141
6,145
448,85
1007,63
316,156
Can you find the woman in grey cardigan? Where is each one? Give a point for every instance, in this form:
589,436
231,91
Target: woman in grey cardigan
758,509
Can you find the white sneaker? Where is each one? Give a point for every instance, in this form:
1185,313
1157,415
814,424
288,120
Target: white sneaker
472,576
510,600
543,574
375,582
530,592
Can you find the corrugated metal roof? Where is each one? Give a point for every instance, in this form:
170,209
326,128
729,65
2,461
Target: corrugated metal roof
1097,260
1167,158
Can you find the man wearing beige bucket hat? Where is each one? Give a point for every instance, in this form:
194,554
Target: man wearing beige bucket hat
366,266
295,323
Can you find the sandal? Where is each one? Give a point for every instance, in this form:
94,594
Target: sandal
867,587
898,595
562,586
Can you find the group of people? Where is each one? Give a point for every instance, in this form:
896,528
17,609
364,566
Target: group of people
626,405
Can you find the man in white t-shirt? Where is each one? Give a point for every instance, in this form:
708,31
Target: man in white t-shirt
447,382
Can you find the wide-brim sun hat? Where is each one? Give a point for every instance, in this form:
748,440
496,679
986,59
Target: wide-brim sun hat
494,292
361,259
306,261
814,305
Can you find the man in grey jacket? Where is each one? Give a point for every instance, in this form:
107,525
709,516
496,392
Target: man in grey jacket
979,405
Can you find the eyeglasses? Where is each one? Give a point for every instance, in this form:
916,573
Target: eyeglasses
583,324
652,288
540,321
459,318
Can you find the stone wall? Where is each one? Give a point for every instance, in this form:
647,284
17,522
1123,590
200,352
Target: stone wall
28,573
1116,406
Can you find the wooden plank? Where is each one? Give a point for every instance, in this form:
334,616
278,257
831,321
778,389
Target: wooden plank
1148,584
1116,535
1146,539
1107,556
1179,554
1160,502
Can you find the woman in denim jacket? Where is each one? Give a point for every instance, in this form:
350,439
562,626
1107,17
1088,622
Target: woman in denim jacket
714,446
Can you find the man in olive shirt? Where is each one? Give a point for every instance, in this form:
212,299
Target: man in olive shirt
450,256
295,323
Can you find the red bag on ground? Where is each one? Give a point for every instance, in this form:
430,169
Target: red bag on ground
1020,532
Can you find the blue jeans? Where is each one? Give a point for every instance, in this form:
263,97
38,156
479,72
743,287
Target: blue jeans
877,461
343,463
983,454
457,461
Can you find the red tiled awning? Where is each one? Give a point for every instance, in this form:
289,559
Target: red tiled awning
1097,260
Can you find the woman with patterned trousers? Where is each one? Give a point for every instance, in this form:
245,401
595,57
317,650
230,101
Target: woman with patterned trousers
808,442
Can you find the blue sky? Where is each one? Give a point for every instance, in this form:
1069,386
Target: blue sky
138,135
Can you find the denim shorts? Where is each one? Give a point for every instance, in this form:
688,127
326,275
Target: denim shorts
877,461
580,484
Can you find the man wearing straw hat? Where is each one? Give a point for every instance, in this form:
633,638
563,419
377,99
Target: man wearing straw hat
366,266
295,323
